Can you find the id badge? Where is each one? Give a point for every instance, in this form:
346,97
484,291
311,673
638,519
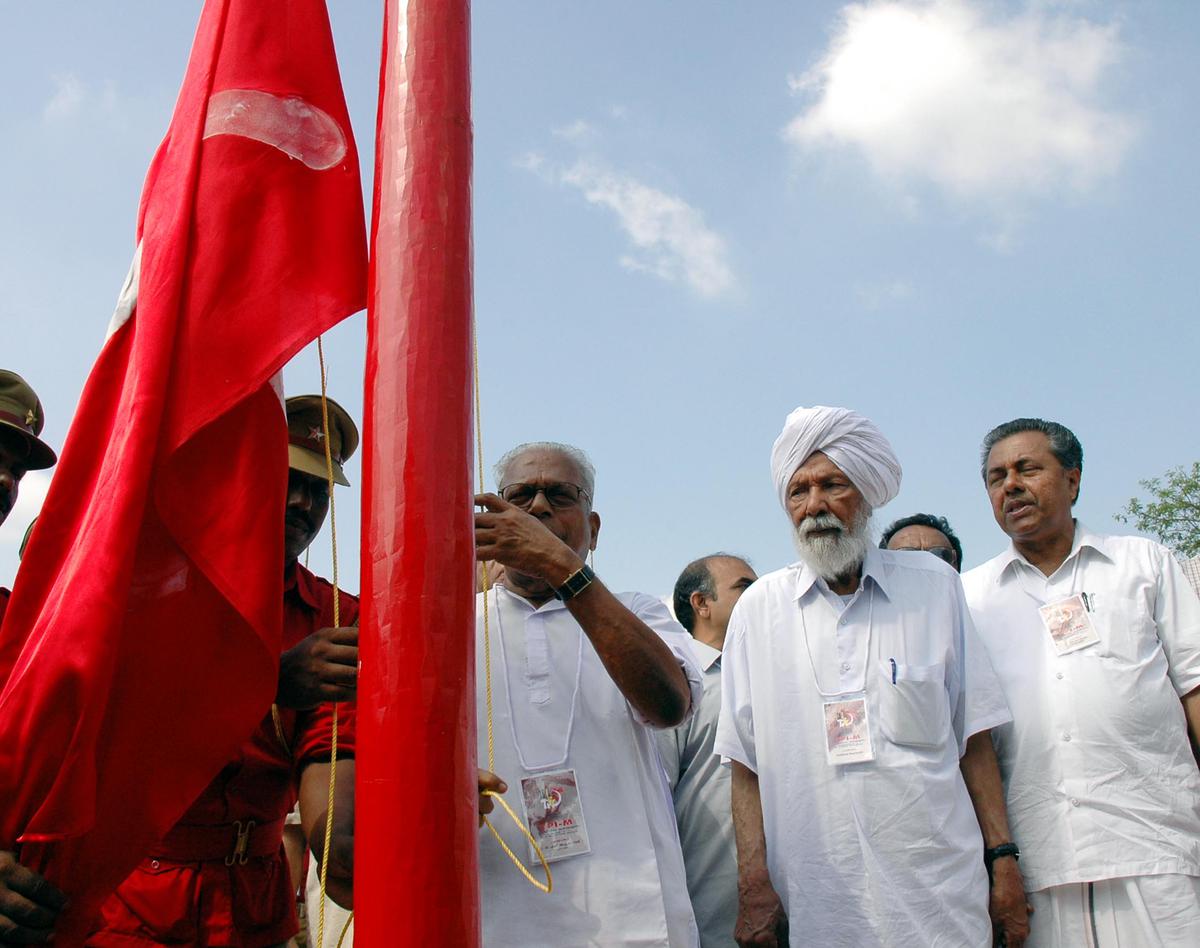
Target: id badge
554,814
1069,624
848,731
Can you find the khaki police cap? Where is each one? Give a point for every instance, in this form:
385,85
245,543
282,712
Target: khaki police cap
306,437
21,411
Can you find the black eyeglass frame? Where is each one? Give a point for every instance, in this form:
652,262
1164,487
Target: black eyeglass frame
545,490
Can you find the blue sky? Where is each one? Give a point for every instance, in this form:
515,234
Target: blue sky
692,218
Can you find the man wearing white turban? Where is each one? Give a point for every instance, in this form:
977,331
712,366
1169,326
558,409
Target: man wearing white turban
855,715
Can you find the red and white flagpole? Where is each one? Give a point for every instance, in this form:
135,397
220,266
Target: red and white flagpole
416,859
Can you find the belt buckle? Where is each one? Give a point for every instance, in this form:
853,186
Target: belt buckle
241,843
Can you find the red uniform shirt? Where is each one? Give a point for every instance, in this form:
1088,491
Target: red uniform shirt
202,901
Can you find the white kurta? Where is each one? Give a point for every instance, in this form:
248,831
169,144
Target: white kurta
1099,776
630,890
886,852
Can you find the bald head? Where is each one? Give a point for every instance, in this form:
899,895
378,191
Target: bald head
706,592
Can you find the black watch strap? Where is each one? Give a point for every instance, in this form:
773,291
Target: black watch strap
576,583
998,852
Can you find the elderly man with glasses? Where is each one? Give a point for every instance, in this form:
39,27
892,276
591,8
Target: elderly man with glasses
579,677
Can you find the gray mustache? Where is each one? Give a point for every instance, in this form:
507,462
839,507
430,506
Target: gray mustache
821,521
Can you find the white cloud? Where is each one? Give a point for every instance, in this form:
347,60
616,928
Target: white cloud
984,107
578,131
876,296
531,161
669,237
67,100
74,99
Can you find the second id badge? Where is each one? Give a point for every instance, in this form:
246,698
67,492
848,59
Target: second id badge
848,731
1069,624
554,814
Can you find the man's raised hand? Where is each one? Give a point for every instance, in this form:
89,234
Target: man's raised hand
520,541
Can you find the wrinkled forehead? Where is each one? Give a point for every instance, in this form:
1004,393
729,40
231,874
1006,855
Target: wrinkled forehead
1023,444
920,536
815,467
539,466
726,569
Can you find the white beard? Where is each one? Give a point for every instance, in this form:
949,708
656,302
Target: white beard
833,557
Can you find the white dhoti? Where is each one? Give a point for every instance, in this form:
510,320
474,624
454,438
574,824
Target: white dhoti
336,918
1161,911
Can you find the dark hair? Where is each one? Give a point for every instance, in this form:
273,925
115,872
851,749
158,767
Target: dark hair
1063,443
696,577
940,524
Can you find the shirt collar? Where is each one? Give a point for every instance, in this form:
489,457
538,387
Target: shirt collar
873,568
303,583
1083,538
706,656
550,606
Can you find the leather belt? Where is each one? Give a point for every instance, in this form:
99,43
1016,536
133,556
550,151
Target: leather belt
232,842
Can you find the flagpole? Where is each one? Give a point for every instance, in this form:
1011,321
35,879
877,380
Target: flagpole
416,859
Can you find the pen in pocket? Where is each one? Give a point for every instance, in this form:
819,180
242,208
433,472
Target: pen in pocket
893,661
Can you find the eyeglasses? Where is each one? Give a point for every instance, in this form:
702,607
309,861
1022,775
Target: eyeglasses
941,552
559,494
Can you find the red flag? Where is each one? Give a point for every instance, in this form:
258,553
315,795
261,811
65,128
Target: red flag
141,645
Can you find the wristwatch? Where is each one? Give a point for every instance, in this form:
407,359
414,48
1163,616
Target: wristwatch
576,583
997,852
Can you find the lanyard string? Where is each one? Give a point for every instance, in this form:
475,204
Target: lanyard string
548,885
866,658
512,718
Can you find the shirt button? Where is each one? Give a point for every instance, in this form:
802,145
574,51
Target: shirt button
845,666
154,863
1066,737
1074,801
1059,676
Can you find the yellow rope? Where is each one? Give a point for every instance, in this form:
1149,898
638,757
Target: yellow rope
548,885
345,928
337,615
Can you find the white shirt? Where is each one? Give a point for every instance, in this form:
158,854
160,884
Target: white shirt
1099,776
630,890
886,852
700,786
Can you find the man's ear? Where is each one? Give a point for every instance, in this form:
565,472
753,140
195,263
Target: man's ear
1073,476
594,521
699,603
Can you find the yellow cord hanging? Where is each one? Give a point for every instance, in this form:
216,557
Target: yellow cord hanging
337,617
548,885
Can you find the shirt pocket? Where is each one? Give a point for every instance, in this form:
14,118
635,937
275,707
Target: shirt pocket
914,709
1123,626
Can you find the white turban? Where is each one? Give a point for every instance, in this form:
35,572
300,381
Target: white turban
849,440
